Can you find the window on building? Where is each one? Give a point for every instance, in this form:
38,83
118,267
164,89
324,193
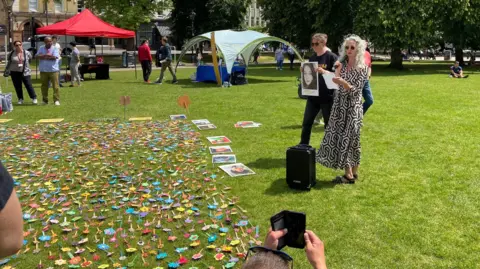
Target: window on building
32,5
80,5
59,6
252,23
257,22
145,31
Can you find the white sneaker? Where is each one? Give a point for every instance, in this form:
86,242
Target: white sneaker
57,103
35,101
20,102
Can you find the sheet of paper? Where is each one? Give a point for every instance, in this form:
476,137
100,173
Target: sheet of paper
50,120
140,119
328,77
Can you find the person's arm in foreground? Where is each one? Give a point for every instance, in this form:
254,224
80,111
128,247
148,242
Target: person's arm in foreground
315,250
11,223
314,247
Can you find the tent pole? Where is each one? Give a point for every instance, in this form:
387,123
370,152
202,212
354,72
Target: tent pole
66,64
135,53
102,46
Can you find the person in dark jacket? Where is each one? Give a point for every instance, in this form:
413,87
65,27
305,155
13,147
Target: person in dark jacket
165,57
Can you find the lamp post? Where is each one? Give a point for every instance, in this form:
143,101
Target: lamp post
8,6
45,3
192,18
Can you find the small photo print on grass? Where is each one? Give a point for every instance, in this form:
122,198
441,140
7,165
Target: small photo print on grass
224,159
178,117
207,127
247,124
216,140
201,122
237,170
220,149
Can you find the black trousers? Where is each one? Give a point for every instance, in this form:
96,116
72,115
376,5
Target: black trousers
292,59
313,107
17,79
147,70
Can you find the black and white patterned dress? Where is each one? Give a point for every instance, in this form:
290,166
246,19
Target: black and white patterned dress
340,147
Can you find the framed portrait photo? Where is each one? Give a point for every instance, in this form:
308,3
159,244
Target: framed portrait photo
310,79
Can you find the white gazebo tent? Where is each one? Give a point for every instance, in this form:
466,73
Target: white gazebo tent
232,44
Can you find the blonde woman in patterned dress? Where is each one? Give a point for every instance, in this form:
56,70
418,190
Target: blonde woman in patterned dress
340,148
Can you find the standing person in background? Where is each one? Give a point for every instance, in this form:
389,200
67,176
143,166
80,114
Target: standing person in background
48,56
291,55
91,45
59,48
166,61
256,54
145,58
74,64
199,56
367,90
279,58
11,223
18,67
324,101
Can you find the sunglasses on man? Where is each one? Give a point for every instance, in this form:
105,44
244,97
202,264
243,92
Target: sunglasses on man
281,254
316,44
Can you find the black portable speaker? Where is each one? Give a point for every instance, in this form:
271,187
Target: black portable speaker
301,167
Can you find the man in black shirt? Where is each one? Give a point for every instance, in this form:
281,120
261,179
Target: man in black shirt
326,61
11,224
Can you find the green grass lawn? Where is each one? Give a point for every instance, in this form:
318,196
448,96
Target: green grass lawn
416,204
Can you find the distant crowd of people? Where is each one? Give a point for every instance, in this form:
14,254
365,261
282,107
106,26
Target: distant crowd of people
49,56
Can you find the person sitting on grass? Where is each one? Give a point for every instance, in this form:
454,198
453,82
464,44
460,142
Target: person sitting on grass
456,71
268,257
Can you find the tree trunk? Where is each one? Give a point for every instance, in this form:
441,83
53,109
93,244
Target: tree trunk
459,55
396,60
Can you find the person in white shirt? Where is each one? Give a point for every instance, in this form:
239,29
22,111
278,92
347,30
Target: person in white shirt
59,48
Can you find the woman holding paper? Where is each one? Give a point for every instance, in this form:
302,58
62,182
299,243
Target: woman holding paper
340,148
322,102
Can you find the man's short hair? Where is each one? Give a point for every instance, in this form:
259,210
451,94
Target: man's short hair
165,39
265,260
457,62
320,36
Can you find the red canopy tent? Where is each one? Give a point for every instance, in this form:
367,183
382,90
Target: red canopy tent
85,24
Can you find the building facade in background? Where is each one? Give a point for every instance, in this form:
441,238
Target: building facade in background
254,18
29,15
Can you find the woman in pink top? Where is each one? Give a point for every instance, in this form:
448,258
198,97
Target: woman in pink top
367,91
